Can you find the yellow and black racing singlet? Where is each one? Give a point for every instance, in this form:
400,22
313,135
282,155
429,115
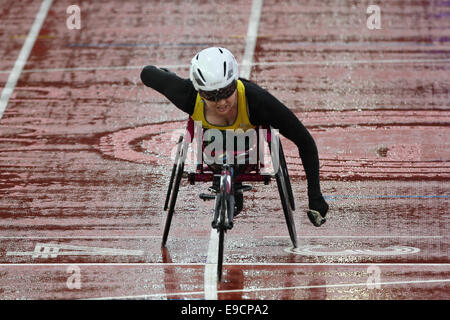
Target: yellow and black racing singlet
242,119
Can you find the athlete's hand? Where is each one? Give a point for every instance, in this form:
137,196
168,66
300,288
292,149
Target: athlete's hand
319,204
318,209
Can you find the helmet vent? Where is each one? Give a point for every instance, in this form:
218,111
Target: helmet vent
220,50
198,80
224,68
201,75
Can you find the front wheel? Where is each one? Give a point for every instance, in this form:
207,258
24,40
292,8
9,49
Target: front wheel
223,213
220,253
218,223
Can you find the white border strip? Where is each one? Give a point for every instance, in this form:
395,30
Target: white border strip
23,55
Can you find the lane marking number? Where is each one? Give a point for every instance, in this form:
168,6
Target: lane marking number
51,250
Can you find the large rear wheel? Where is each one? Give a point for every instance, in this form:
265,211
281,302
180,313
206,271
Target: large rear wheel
177,173
285,191
285,172
287,209
172,175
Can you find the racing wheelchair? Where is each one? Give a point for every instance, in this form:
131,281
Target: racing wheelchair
228,178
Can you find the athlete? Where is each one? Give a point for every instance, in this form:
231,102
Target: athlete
216,96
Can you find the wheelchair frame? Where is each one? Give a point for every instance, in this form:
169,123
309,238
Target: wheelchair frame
204,173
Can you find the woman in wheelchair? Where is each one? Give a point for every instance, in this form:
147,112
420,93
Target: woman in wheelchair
215,96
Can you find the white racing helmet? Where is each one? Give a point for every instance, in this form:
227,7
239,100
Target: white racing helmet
213,68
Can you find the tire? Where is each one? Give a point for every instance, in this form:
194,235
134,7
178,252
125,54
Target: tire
220,253
286,196
225,221
172,175
285,172
179,168
287,210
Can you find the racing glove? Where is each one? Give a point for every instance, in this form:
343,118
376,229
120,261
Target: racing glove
318,209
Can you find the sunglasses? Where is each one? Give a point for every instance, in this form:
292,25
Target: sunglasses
220,94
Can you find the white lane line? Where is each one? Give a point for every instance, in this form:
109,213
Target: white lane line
343,63
100,264
76,237
358,237
274,237
178,66
244,264
252,36
210,276
348,62
265,237
23,55
326,286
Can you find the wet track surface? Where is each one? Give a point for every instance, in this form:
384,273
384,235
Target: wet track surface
85,153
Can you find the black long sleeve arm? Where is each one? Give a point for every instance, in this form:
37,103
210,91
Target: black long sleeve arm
179,91
265,109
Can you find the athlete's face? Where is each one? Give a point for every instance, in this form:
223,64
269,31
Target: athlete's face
223,107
